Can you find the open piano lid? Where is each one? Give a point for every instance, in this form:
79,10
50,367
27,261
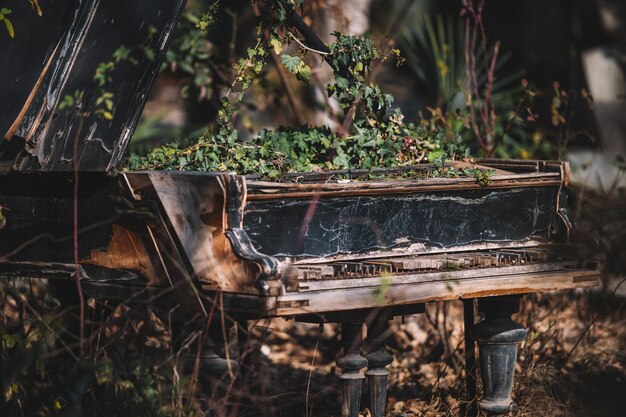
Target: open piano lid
75,80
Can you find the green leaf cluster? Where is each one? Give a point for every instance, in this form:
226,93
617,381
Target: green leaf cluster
189,54
7,23
274,153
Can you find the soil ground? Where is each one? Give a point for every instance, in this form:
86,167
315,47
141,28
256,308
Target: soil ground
573,362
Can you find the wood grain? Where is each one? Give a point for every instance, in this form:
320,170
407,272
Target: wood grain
414,293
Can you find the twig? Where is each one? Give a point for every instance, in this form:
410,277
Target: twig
293,19
293,104
308,412
295,38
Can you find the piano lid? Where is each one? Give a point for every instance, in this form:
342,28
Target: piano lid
75,80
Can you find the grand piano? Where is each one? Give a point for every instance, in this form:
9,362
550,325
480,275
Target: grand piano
351,247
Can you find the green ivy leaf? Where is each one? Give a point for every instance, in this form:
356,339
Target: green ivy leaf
291,62
304,72
8,340
9,26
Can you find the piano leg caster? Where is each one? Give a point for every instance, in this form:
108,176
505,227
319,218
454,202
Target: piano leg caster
350,364
377,360
498,337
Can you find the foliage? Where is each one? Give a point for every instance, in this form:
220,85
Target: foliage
379,136
434,50
40,374
351,59
189,54
103,104
277,152
4,11
442,59
7,23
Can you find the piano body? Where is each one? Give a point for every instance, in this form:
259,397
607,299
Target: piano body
350,247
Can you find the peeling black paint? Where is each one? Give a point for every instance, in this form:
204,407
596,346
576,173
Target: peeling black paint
356,224
97,30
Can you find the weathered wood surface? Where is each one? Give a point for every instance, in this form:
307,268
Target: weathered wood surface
437,290
182,231
23,59
39,216
126,250
195,207
48,131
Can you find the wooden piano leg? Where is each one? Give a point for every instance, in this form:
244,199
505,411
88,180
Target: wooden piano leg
498,337
350,364
377,360
215,374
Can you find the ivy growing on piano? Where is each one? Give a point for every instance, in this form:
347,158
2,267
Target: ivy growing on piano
102,101
372,133
8,24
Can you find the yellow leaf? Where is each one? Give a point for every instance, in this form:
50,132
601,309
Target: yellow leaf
9,26
277,46
524,154
35,4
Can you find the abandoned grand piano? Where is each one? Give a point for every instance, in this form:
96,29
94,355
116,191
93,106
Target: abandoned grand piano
350,247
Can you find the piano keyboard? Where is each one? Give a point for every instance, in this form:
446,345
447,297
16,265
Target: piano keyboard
410,265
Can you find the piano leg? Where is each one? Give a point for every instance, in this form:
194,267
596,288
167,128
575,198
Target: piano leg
498,337
377,360
215,374
350,364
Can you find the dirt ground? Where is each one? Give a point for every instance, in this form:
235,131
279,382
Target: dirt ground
573,362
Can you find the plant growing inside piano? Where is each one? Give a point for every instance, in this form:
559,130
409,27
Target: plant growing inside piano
7,22
103,101
4,11
372,133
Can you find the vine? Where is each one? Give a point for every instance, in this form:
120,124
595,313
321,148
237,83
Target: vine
377,135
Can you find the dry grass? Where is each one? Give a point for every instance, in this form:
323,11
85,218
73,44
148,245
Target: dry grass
552,377
571,364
